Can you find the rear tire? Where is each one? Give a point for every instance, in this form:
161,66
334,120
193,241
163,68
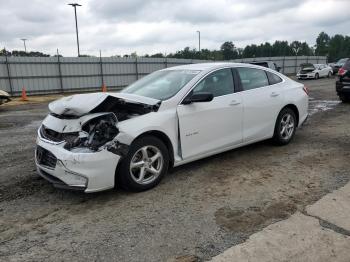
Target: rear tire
329,74
344,98
285,127
145,164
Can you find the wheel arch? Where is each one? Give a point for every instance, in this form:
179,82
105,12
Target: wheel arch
294,108
165,139
158,134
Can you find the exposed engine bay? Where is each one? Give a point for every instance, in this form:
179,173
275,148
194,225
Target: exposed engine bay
89,131
95,133
307,68
124,110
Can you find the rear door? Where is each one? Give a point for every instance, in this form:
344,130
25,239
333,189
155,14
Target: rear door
209,126
324,70
262,96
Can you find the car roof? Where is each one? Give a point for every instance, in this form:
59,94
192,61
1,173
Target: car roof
210,66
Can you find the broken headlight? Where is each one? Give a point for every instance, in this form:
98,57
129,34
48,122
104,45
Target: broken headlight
96,133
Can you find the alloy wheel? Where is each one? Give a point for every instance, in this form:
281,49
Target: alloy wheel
287,126
146,165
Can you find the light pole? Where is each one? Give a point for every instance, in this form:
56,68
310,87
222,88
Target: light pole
199,40
24,42
76,24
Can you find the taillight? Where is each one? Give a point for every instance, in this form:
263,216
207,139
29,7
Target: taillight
306,90
342,71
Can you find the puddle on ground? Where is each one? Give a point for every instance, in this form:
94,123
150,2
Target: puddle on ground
316,106
244,220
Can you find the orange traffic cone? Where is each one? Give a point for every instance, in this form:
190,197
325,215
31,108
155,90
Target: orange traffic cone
24,95
104,88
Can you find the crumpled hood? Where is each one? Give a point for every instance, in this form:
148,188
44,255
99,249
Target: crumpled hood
4,94
78,105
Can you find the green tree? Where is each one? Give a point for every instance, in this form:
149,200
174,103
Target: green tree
322,44
229,51
157,55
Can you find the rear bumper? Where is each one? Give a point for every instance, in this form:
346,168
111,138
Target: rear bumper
303,121
342,87
88,172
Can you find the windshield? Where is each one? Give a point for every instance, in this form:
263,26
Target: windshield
342,61
161,84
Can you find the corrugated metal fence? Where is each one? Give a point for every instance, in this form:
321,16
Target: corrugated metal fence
43,75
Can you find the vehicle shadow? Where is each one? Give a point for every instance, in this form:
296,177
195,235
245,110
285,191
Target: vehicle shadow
35,187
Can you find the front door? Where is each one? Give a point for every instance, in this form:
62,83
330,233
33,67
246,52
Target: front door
210,126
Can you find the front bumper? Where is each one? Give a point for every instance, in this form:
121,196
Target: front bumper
4,99
88,172
305,76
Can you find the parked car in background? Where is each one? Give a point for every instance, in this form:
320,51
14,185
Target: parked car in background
267,64
343,82
336,66
314,71
93,142
4,97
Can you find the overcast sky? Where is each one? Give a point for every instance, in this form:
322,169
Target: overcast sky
152,26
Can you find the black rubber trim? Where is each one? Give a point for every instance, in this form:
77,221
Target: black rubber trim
58,183
237,79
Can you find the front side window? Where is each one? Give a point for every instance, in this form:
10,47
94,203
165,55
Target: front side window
218,83
252,78
161,85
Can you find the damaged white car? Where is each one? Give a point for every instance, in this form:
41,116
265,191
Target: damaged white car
98,141
4,97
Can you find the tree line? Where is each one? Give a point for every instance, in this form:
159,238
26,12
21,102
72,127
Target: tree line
334,47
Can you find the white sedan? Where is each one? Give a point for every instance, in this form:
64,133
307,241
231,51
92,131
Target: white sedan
98,141
314,71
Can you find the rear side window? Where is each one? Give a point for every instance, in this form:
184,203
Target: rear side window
273,78
252,78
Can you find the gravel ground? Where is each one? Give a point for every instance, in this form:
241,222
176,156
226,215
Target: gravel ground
197,211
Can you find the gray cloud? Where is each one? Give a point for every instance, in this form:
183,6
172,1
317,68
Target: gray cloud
124,26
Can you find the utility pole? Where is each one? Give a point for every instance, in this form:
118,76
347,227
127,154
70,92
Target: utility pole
24,42
199,40
76,24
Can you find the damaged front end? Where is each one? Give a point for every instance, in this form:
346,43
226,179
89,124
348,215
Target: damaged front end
84,138
93,123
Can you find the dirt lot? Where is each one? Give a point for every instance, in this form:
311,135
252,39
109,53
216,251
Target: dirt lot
198,210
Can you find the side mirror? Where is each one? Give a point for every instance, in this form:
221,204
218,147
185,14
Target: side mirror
198,97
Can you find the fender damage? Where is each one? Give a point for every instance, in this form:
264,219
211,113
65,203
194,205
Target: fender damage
81,135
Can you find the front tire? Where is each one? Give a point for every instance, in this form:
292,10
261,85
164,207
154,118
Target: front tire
145,164
285,127
317,76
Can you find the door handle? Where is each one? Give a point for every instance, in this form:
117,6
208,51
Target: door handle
274,94
234,103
